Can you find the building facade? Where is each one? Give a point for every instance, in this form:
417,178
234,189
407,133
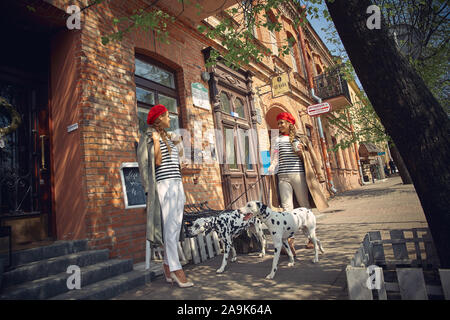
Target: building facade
84,104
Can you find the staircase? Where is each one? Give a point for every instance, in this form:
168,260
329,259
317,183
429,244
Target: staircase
41,273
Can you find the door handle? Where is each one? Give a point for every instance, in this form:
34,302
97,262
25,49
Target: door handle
43,168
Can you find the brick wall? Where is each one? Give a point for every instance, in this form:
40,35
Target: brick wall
108,124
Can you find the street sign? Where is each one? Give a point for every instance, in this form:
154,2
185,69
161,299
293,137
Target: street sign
320,108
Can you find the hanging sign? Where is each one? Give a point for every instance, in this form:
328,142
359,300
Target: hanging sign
320,108
280,85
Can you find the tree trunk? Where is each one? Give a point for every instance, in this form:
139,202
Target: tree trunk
410,113
400,164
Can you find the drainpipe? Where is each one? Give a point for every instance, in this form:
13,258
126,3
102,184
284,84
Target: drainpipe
324,148
330,184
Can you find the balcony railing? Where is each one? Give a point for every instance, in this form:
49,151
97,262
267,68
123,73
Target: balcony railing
333,88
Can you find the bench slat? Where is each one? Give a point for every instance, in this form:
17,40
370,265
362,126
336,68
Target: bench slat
400,250
412,284
444,274
195,253
201,244
357,284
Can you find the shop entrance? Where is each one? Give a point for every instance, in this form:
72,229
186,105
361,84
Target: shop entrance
25,168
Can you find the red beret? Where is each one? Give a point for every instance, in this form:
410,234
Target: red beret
286,116
155,112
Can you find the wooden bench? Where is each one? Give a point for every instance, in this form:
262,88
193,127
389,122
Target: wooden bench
403,265
199,248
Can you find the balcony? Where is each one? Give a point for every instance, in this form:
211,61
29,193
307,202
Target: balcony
189,10
331,87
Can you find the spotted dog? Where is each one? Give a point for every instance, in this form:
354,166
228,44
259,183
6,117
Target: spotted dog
282,225
229,225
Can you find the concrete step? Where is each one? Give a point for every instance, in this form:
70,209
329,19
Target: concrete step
56,249
44,268
108,288
51,286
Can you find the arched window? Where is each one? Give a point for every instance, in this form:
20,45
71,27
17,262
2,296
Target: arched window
155,84
272,33
239,107
292,51
225,104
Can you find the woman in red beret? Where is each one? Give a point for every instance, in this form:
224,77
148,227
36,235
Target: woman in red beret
159,165
295,163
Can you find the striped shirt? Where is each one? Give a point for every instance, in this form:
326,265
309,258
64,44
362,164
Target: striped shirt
170,164
288,160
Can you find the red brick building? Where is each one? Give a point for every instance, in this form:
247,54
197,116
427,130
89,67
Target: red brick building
83,103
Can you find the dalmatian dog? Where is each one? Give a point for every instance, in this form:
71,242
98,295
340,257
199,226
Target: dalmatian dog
229,225
282,225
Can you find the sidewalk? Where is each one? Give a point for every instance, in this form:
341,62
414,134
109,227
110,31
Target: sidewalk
385,205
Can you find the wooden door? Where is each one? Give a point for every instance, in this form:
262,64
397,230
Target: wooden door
240,165
25,181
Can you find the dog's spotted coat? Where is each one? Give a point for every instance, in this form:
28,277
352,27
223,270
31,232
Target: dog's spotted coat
282,225
229,225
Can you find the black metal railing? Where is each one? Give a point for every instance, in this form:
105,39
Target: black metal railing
331,84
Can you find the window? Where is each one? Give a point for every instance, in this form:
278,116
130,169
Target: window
273,36
302,62
225,104
247,142
247,7
233,107
294,62
155,85
230,153
309,133
154,73
239,107
273,41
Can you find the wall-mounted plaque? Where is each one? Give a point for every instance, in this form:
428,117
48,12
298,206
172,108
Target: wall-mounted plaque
200,96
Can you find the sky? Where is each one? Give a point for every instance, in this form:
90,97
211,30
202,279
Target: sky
320,23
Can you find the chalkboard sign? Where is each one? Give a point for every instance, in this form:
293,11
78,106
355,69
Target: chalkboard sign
133,190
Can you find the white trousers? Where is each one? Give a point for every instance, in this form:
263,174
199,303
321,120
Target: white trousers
172,199
289,184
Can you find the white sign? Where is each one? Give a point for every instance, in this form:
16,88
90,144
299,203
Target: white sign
72,127
319,109
200,96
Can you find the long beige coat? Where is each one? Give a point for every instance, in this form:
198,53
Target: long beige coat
312,172
146,161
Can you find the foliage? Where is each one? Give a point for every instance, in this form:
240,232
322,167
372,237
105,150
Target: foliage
361,115
235,32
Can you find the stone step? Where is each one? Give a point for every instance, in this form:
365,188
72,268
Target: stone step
56,249
44,268
51,286
108,288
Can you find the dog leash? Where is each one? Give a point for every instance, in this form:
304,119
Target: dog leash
230,204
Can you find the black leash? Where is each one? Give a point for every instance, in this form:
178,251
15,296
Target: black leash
230,204
187,217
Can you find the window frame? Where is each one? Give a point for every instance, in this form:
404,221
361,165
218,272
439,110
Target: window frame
157,88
